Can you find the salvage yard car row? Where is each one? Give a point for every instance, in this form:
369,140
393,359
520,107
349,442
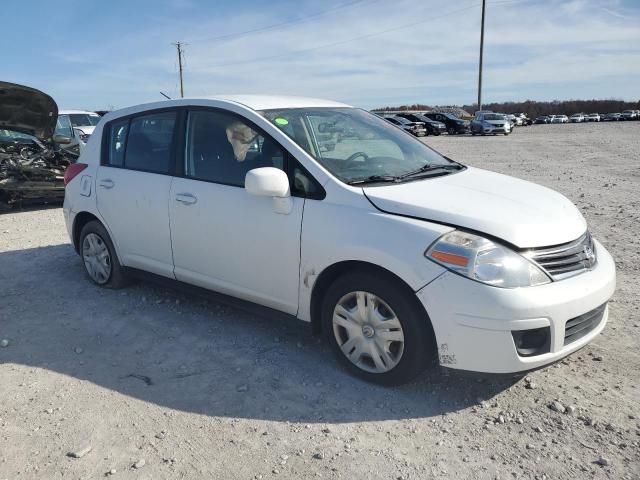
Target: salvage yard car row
591,117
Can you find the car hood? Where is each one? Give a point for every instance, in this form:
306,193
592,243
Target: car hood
27,110
521,213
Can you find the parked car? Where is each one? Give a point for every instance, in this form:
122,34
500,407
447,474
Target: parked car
512,119
542,119
523,118
559,119
32,159
433,127
414,128
592,117
613,117
629,115
402,255
454,124
576,118
78,125
490,123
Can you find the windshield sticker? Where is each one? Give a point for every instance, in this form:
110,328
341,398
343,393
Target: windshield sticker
281,121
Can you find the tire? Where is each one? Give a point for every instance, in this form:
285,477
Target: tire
451,131
399,361
95,243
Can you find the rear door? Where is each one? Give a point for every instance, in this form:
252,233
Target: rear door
133,184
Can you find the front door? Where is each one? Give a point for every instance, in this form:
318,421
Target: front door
224,238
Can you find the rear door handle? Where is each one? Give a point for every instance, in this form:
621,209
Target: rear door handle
186,198
107,183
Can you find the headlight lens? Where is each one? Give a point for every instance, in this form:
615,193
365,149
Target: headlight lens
483,260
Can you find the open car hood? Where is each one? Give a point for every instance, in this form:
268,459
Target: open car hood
27,110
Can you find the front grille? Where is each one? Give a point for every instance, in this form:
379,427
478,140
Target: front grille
578,327
565,260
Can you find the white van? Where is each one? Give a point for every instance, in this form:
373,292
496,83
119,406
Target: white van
399,255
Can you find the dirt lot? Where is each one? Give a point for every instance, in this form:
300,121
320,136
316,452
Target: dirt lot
160,385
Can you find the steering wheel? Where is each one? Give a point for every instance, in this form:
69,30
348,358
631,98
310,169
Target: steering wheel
356,155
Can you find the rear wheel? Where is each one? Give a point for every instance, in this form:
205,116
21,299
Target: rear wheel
451,131
376,328
99,257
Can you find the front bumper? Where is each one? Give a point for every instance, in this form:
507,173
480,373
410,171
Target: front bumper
496,130
473,322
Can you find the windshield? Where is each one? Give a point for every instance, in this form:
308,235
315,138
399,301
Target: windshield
83,119
354,144
493,116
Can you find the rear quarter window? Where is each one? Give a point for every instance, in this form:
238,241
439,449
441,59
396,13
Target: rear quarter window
142,143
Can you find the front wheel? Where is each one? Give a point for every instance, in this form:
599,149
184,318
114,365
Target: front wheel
377,329
451,131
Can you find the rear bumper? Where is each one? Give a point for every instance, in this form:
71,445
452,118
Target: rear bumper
473,322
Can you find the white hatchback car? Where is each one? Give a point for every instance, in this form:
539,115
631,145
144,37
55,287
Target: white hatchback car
330,214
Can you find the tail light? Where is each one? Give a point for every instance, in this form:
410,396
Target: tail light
72,171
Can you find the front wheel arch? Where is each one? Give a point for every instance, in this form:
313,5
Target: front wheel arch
333,272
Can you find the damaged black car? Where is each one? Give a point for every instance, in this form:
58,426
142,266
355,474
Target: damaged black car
32,159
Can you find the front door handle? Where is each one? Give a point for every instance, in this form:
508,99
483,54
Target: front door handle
186,198
107,183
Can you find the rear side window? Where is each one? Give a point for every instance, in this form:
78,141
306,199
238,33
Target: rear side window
141,143
149,142
117,141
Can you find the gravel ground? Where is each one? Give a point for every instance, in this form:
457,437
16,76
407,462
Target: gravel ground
148,383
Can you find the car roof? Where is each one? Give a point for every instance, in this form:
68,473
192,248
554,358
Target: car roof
71,112
253,102
267,102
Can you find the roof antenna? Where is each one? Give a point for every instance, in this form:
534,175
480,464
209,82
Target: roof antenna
165,95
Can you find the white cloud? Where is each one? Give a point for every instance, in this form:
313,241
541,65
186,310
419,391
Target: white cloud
533,50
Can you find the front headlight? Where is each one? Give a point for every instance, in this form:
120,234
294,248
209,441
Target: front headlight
485,261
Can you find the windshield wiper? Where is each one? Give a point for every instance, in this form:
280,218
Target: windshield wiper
374,179
400,178
429,168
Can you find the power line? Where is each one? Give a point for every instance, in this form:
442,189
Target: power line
353,39
231,36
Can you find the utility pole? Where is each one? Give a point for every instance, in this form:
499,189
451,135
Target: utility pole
180,46
481,49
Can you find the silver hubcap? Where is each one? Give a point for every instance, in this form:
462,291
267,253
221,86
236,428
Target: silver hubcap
368,332
96,258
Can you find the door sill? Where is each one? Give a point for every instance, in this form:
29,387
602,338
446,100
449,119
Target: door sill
188,289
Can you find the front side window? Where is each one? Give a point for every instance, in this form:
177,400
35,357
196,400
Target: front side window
149,142
222,148
355,145
63,126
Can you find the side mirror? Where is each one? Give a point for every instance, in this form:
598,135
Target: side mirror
61,139
270,182
267,182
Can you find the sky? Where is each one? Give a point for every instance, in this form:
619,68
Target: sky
97,54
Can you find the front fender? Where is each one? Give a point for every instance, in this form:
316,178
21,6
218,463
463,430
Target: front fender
334,233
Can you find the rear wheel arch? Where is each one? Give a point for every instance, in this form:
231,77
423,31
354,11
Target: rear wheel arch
79,222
